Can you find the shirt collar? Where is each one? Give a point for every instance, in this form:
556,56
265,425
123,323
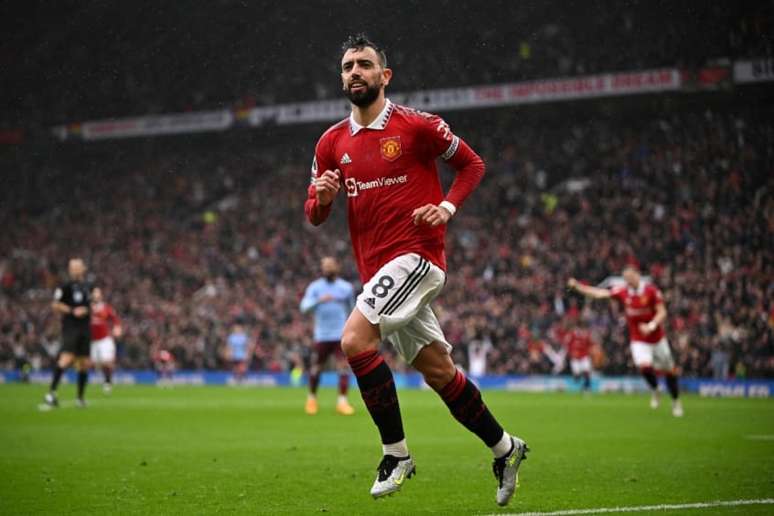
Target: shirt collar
379,123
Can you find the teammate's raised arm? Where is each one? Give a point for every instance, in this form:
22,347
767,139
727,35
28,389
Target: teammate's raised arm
588,290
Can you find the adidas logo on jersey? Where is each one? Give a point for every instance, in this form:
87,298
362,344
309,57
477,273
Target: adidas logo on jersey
370,302
345,159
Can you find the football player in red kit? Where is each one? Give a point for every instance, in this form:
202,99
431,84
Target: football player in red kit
384,155
645,315
105,325
577,341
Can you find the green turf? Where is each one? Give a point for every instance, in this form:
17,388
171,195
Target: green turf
218,450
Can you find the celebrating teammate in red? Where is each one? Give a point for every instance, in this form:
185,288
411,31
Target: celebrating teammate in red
105,325
384,155
645,316
578,342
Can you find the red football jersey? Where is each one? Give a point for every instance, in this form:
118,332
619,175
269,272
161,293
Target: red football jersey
388,170
578,343
103,320
640,307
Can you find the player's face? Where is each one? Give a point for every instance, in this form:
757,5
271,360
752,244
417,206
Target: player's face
76,268
362,76
329,267
632,277
96,295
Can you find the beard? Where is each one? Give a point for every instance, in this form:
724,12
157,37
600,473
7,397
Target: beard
363,98
330,277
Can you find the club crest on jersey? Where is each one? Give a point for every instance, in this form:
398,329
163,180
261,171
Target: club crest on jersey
390,148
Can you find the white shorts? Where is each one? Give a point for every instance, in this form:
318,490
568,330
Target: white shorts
658,356
398,298
580,365
103,350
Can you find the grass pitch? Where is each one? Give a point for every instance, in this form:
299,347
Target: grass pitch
219,450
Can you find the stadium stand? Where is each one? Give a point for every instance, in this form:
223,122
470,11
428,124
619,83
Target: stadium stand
186,237
122,60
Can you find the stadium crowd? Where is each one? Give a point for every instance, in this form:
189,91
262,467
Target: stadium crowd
135,59
185,242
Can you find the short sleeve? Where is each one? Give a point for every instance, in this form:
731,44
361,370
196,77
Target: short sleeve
657,296
58,293
618,292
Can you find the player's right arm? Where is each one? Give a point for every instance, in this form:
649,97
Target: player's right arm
588,290
310,299
325,185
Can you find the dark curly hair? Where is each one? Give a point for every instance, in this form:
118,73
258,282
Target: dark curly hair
359,42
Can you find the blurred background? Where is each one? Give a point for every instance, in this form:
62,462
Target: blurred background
169,144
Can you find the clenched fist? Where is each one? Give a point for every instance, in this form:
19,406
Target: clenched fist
327,185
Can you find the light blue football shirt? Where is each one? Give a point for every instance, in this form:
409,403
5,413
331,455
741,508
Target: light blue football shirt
329,316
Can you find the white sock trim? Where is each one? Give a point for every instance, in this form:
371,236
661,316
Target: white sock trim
399,449
342,399
503,446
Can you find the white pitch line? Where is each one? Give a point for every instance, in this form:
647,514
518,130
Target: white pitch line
759,437
643,508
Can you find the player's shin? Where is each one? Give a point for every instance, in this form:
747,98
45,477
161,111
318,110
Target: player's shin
381,399
464,401
672,385
314,381
649,375
343,384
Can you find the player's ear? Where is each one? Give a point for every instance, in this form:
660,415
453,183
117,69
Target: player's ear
386,76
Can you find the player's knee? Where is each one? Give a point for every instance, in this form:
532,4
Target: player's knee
439,375
353,343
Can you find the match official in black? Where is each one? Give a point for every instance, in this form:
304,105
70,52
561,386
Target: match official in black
72,300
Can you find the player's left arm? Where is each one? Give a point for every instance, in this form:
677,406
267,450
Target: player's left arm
468,165
659,318
115,321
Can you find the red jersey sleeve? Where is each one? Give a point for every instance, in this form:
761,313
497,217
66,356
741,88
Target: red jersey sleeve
322,161
112,316
618,293
656,297
441,142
